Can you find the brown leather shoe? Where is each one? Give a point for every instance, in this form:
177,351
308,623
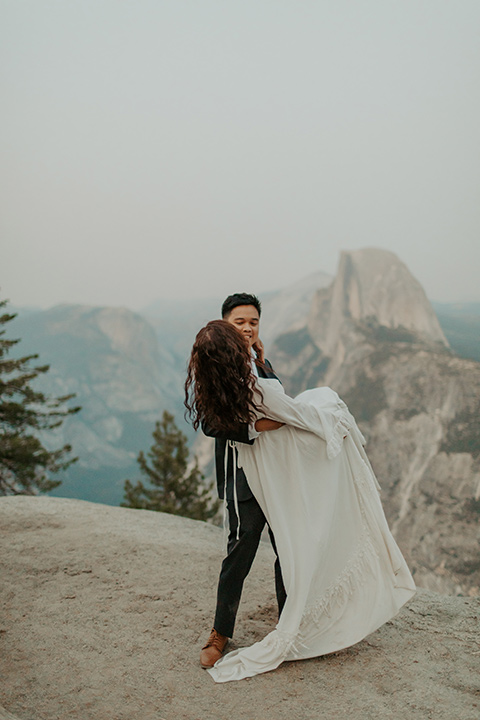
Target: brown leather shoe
213,649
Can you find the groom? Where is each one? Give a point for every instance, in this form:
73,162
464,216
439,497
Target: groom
246,518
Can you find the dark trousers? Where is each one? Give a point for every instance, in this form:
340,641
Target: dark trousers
237,564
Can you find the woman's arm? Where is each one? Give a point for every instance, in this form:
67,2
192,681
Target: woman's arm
282,410
323,414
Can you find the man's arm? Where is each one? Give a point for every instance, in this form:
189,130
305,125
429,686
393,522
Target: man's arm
243,434
240,436
265,424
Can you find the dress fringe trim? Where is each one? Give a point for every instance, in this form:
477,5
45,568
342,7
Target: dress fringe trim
354,575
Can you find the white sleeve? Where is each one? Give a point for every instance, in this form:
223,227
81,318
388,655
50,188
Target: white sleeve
252,432
321,412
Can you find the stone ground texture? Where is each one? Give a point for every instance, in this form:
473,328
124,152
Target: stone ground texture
104,612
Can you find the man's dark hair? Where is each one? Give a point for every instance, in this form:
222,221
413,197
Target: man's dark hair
237,299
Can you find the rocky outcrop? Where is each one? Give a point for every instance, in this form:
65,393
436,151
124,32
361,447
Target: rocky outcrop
104,612
373,285
374,338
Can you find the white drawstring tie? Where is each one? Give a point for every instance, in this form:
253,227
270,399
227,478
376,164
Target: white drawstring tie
231,444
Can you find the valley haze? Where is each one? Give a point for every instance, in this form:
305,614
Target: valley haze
369,332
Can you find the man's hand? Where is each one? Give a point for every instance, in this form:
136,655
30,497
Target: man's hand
260,350
265,424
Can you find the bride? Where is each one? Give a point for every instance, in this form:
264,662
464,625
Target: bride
343,572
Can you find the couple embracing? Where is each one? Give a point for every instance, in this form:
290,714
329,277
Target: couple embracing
298,466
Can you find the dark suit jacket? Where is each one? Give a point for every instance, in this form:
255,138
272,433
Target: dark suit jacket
221,439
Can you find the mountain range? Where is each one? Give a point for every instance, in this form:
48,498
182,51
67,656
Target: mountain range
369,332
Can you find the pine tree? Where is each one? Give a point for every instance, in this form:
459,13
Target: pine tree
26,465
173,488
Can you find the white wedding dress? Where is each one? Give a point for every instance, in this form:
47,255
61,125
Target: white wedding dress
343,571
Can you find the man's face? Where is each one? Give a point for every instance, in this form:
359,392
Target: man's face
247,321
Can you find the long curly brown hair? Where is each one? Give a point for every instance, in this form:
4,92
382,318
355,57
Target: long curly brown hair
219,385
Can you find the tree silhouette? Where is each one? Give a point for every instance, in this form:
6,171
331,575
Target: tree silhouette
26,465
173,487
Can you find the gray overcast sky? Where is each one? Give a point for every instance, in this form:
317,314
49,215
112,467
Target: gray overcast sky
193,148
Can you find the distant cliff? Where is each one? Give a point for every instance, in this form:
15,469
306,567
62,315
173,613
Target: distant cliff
123,378
373,336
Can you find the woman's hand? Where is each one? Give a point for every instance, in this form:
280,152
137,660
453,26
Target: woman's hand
260,350
265,424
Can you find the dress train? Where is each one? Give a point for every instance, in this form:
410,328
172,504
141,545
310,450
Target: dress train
343,571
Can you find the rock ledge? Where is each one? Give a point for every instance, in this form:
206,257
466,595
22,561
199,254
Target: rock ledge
105,610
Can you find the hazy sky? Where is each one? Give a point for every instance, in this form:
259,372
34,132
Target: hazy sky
193,148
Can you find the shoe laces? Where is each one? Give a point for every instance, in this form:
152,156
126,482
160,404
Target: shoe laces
215,640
